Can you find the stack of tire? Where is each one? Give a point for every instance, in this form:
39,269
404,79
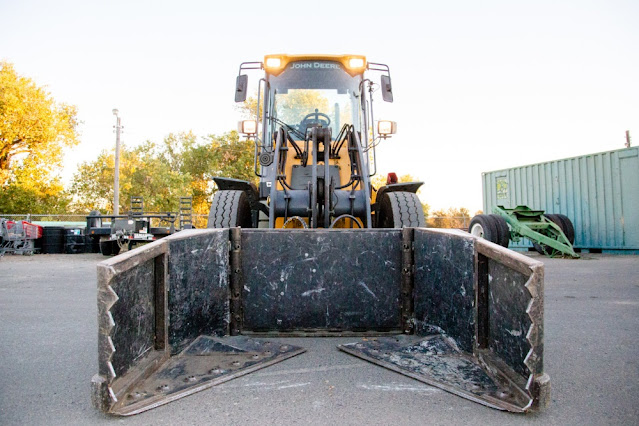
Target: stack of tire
491,227
566,227
53,239
74,242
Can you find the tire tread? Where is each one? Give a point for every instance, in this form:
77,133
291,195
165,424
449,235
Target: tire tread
228,209
405,208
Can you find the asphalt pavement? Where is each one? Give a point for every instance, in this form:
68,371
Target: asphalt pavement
48,354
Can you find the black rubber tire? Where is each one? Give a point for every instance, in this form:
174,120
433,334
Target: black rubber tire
554,218
106,248
503,232
400,210
544,249
567,228
94,243
539,248
230,209
53,239
488,229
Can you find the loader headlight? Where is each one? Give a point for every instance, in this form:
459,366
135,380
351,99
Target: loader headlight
273,63
356,63
247,127
385,128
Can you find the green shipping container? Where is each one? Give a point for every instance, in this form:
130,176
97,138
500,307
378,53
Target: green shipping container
598,192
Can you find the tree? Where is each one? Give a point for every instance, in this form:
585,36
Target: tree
180,166
293,106
217,156
143,172
34,129
31,191
232,157
452,218
298,103
248,108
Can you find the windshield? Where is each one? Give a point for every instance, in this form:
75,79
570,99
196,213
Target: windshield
312,93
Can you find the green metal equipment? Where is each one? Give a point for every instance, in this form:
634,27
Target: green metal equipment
546,232
551,234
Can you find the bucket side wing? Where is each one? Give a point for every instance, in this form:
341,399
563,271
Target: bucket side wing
163,324
131,321
510,326
478,315
489,301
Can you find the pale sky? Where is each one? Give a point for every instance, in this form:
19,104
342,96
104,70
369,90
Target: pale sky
478,86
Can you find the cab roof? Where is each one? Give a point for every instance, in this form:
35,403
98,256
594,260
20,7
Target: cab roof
353,64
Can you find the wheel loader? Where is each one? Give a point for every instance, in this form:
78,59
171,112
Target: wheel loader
313,249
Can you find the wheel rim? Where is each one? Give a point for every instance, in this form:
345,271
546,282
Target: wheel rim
477,230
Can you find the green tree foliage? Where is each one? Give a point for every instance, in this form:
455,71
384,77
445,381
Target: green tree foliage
34,130
298,103
218,156
293,106
180,166
143,172
32,190
452,218
248,107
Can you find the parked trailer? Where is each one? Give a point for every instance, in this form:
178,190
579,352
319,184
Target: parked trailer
126,231
550,234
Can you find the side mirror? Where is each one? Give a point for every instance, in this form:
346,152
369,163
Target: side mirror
387,89
241,85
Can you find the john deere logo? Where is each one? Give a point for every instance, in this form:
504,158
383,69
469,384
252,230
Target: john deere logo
314,65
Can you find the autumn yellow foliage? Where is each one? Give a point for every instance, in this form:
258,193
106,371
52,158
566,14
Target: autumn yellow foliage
34,129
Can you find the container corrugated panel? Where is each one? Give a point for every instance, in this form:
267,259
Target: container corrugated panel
598,192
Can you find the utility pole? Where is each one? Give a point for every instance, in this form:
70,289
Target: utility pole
116,174
627,138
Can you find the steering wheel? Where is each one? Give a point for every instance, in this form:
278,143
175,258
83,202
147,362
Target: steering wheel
315,118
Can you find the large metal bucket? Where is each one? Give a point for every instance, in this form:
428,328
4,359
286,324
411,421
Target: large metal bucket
447,309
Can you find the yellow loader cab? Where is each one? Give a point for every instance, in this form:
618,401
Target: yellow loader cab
315,149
